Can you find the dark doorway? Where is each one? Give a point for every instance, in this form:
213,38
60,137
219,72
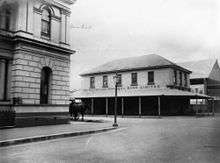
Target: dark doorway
46,74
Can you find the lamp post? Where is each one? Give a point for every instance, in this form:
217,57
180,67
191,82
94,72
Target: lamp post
116,100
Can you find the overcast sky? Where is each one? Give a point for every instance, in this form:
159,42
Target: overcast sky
179,30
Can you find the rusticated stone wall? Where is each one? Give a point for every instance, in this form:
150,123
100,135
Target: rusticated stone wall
26,75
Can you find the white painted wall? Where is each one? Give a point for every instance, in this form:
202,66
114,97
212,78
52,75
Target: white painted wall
162,77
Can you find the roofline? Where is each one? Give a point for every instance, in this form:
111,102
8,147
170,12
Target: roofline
138,69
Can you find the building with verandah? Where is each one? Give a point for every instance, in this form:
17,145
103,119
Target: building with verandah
147,85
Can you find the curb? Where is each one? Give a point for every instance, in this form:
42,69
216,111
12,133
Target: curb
50,137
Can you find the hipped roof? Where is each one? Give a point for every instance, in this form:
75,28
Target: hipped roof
151,61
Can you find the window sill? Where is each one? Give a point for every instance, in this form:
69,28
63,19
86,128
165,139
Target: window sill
134,84
46,37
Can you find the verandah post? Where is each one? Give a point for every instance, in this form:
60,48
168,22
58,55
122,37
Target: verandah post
159,106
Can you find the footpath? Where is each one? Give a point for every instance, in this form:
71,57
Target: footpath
14,136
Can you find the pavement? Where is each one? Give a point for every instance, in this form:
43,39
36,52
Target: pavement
14,136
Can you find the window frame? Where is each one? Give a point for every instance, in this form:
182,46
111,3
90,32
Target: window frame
185,79
47,23
7,20
134,79
105,81
119,81
148,76
5,76
175,77
92,82
181,78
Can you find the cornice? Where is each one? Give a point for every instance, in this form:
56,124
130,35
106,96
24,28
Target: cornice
43,44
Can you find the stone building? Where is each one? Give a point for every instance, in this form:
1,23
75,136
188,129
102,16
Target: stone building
147,85
35,56
205,78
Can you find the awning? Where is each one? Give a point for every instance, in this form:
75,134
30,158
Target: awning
102,93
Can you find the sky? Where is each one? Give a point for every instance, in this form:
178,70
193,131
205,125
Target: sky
104,30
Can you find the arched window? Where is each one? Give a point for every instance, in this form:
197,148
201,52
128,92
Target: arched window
45,23
46,75
5,17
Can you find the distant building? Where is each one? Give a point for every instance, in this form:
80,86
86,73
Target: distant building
147,85
205,79
35,56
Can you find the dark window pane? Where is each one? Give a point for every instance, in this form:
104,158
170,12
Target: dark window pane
151,77
175,77
105,81
134,79
45,27
181,79
119,82
185,79
92,82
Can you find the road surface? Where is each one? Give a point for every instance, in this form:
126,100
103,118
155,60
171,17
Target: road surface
170,139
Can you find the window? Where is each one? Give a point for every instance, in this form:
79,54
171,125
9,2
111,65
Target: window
92,82
196,90
150,77
175,77
133,78
5,19
185,79
119,81
45,86
45,23
181,78
4,79
105,82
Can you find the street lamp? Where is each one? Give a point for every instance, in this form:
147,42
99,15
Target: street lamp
116,79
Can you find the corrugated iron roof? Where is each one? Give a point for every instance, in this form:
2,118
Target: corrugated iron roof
90,93
133,63
200,69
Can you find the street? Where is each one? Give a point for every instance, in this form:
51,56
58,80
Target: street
169,139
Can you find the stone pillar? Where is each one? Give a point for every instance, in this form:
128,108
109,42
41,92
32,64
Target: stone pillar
106,107
139,106
122,106
158,105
